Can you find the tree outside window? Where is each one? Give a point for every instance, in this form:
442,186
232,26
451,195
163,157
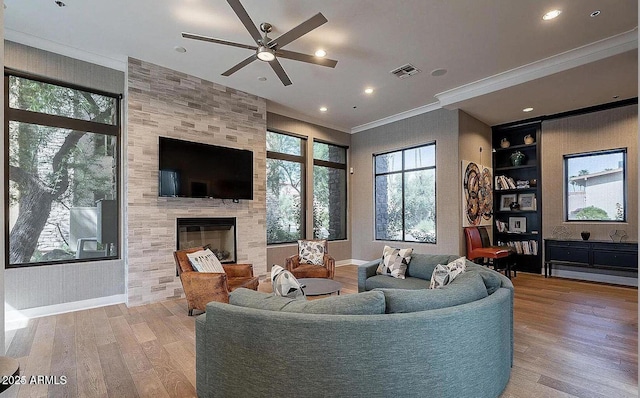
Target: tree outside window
285,188
596,186
405,195
329,191
63,172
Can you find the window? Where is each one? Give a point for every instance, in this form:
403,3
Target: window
63,145
285,188
405,195
596,186
329,191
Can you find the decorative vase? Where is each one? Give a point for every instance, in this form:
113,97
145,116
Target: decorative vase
618,235
585,235
528,139
516,158
504,143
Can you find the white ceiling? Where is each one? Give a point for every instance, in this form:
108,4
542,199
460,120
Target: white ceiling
500,55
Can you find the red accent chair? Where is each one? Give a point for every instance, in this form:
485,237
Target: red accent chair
479,247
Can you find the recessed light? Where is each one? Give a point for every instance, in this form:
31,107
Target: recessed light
527,109
323,109
320,53
551,14
438,72
180,49
262,79
616,96
368,90
594,14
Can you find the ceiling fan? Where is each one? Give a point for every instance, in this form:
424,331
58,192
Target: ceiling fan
267,49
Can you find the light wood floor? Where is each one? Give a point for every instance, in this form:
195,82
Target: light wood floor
571,339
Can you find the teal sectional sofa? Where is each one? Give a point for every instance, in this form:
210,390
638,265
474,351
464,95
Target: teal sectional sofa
451,342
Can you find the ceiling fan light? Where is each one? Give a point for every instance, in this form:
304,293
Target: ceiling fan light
265,54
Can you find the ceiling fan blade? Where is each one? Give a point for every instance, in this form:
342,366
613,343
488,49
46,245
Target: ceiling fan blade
299,31
306,58
241,65
245,19
275,65
217,41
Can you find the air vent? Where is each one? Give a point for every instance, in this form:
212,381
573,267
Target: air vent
405,71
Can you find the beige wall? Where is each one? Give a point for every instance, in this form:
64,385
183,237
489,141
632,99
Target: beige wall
608,129
340,250
441,126
474,145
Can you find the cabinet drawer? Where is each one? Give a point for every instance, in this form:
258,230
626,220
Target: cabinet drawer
568,253
615,259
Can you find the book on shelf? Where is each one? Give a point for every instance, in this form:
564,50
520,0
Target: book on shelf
502,226
504,182
524,247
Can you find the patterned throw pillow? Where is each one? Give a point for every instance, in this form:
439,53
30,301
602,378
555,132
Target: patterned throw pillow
394,262
285,284
444,274
205,261
311,251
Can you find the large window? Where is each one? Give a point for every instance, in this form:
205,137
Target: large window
63,172
329,191
285,188
405,195
595,186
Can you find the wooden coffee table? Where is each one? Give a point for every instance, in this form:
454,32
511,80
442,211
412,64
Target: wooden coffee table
319,286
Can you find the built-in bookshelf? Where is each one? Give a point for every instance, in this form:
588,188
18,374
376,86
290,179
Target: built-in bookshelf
517,193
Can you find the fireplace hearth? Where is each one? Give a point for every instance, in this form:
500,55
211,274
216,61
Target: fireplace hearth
218,234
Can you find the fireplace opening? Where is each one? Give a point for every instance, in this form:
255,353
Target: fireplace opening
218,234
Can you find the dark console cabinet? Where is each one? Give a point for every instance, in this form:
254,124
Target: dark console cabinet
591,254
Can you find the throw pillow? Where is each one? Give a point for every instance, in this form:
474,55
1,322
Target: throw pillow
205,261
394,262
444,274
311,251
285,284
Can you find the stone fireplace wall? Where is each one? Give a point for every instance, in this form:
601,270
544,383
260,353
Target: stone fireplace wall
163,102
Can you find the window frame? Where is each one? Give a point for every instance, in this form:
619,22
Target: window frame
340,166
565,160
302,160
402,172
64,122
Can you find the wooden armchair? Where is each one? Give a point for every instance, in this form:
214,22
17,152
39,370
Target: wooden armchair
202,287
479,247
302,270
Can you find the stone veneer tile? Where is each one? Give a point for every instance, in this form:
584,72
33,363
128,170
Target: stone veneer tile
163,102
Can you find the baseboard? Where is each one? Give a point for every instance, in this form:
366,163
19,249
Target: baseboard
350,261
17,319
604,278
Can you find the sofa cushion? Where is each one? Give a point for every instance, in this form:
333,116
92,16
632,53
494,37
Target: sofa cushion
367,303
445,274
466,288
422,265
492,280
285,284
381,281
394,262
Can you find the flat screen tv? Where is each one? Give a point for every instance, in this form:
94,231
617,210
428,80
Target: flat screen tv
193,170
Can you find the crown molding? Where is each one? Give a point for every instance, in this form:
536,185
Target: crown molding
398,116
592,52
62,49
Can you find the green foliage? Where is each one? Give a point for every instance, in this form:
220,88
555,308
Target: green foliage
591,213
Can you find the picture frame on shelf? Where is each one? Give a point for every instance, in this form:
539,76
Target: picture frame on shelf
506,200
527,201
518,224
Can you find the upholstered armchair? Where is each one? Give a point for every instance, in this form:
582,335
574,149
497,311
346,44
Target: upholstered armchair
202,287
304,267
